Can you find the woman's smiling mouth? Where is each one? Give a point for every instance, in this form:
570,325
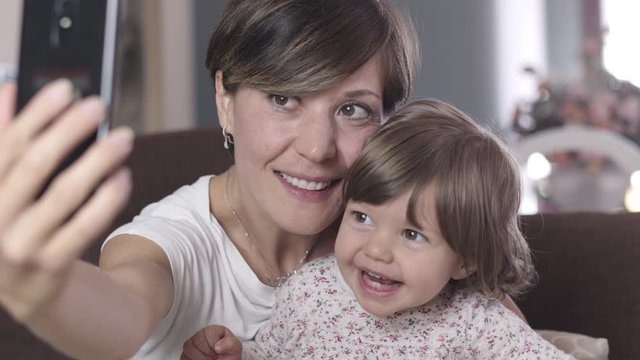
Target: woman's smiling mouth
305,184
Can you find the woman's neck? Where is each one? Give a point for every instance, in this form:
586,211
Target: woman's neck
270,250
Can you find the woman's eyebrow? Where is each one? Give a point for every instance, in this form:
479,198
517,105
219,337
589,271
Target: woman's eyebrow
361,92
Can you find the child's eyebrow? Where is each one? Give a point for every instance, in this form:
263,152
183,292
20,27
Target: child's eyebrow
414,224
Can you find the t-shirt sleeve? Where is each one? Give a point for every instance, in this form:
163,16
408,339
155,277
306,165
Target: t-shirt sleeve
177,226
497,333
180,230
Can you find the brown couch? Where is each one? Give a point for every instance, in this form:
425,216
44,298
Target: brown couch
588,263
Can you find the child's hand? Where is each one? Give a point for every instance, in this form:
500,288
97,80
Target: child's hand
212,342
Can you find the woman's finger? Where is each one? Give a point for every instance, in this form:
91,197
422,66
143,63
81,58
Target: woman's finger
89,222
69,190
40,111
8,93
45,106
35,166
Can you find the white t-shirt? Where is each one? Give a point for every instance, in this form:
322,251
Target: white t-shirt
213,283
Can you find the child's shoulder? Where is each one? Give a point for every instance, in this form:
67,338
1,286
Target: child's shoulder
456,294
317,271
324,265
452,302
320,263
317,280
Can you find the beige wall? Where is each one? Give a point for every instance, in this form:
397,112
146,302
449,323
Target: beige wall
168,60
10,19
176,48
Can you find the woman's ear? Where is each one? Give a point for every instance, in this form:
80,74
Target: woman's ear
224,104
463,270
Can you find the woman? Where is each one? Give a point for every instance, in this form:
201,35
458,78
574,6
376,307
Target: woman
300,85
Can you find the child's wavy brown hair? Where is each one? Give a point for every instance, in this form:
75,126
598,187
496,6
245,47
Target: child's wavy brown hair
477,182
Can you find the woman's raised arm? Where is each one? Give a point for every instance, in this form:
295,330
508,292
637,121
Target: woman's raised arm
74,306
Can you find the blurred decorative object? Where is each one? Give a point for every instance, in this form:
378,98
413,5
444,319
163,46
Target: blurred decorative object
538,167
598,100
632,196
617,149
592,169
580,141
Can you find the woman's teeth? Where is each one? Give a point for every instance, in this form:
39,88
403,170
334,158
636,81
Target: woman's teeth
304,184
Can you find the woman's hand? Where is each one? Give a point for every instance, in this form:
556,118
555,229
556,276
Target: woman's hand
212,342
41,237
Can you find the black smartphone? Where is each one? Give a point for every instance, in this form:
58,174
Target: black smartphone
73,39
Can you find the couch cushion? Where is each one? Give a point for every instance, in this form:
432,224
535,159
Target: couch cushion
582,347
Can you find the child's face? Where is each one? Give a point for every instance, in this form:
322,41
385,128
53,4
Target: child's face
391,264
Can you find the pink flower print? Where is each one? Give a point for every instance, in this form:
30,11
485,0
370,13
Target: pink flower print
320,279
310,350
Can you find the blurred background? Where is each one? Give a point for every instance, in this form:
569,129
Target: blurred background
558,79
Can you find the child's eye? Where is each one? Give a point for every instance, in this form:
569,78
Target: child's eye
361,217
355,111
413,235
283,102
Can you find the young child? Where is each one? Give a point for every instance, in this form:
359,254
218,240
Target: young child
428,244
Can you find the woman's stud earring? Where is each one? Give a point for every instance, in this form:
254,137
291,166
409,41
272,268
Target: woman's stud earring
228,138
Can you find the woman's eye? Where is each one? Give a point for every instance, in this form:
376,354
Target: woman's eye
280,100
354,111
361,217
283,102
413,235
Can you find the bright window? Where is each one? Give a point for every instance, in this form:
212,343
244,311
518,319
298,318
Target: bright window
621,51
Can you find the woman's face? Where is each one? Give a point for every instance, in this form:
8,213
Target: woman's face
292,152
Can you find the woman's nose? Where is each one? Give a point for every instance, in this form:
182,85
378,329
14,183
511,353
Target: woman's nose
316,138
379,248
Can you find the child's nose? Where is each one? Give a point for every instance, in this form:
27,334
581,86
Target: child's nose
379,248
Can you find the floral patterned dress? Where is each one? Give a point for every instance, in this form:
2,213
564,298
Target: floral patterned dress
317,317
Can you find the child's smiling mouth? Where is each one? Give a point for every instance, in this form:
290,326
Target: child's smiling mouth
378,285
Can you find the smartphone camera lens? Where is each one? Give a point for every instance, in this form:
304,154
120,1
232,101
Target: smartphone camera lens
66,10
65,22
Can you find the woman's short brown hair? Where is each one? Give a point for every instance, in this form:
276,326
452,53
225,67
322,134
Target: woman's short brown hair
477,182
295,47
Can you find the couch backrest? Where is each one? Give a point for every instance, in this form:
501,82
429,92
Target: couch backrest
589,268
163,162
